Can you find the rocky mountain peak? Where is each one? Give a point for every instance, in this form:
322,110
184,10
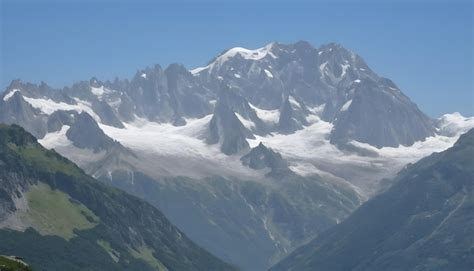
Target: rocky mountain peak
85,133
226,129
261,157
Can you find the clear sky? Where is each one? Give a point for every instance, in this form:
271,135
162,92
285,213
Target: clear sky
425,47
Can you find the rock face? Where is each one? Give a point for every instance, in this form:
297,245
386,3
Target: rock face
286,122
85,133
15,110
424,221
362,105
379,114
227,130
261,157
49,208
239,105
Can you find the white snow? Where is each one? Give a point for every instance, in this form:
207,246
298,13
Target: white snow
357,81
312,118
115,102
60,143
56,139
98,91
317,110
198,70
309,152
248,54
323,66
409,154
48,106
143,75
267,116
344,69
320,52
454,124
296,144
237,75
247,123
293,102
346,105
268,73
256,54
10,94
164,149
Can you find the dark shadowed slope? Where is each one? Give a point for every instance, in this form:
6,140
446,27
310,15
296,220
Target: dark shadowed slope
425,221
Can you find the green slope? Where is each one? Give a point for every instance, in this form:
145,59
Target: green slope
8,264
52,212
58,218
425,221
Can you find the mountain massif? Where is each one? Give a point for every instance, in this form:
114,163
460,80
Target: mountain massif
293,79
251,155
425,221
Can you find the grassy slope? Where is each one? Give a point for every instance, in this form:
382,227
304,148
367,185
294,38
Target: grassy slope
145,253
52,212
12,265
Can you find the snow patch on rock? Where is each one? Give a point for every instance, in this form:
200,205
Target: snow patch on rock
346,105
10,94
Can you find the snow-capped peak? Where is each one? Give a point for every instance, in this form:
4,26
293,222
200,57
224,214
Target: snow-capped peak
245,53
98,91
454,124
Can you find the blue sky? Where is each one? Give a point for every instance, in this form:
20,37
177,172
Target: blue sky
425,47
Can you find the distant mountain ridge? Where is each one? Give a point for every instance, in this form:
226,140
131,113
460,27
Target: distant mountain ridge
290,78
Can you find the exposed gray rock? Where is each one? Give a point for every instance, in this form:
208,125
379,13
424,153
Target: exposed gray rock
60,118
262,157
227,130
106,114
85,133
290,120
16,110
379,114
329,75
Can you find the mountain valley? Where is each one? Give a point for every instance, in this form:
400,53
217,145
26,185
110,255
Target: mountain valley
250,156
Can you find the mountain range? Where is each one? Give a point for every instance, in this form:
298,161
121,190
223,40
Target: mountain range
253,154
